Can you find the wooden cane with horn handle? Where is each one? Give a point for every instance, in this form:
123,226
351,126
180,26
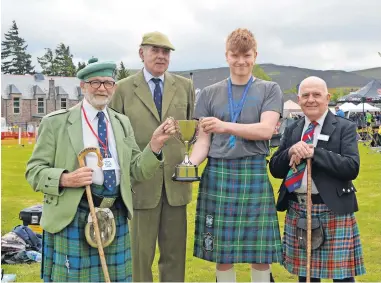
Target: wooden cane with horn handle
81,159
309,220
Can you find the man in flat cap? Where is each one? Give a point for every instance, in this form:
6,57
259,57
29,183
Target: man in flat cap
148,98
53,169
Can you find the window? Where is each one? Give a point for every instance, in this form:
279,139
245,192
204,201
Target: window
63,103
16,105
40,106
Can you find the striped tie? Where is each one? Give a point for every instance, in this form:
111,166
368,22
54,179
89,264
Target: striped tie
294,179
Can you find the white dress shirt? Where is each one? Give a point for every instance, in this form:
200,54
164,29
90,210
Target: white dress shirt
151,84
89,140
303,187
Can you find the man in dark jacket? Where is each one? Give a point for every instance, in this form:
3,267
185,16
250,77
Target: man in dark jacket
330,142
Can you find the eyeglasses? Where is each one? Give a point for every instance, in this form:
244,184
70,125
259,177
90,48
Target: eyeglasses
97,84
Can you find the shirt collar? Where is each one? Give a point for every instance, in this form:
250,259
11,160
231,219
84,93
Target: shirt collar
320,120
148,76
92,112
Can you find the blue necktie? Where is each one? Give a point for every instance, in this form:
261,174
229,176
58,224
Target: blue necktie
157,95
109,175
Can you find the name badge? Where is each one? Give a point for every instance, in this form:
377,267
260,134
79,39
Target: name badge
323,137
108,164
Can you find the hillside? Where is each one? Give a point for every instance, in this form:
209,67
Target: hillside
288,76
370,73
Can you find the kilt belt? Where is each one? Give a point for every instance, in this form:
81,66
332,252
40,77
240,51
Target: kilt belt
104,201
302,198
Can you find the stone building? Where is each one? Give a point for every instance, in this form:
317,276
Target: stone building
25,99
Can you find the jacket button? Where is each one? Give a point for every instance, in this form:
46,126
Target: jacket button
343,190
161,165
349,191
49,178
51,198
352,188
46,186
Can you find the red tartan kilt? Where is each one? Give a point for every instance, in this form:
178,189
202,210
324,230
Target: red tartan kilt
339,257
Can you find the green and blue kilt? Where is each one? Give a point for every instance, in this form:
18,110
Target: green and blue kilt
236,219
83,260
339,257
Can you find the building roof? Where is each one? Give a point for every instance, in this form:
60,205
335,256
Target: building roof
30,85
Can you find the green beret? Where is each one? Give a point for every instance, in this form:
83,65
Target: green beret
157,39
97,69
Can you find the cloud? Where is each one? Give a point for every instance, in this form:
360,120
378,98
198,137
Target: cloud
311,34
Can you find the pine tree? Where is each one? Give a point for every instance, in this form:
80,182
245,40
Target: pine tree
259,73
122,72
47,63
15,59
81,66
64,61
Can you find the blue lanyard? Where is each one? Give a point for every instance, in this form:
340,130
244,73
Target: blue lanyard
235,112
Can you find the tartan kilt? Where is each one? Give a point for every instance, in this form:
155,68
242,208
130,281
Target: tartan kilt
84,262
339,257
236,219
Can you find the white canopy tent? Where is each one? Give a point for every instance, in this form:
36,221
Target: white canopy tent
366,107
348,106
291,107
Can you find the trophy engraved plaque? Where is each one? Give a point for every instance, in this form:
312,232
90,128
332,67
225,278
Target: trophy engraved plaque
186,134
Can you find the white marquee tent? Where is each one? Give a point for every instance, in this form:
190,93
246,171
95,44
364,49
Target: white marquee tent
348,106
366,107
291,107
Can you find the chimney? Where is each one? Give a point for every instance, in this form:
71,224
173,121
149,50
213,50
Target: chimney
52,89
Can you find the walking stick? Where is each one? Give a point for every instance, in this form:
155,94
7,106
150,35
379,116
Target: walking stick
81,159
309,221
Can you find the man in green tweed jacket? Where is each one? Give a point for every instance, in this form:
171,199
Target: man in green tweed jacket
53,170
147,98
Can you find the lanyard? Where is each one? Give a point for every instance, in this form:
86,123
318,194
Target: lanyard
105,146
235,112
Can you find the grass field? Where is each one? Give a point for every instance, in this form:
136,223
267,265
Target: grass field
16,195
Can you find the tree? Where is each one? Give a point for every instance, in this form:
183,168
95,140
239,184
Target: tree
59,62
81,66
122,72
339,92
291,90
47,63
15,59
259,73
64,61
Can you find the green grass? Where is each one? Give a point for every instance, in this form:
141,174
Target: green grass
16,195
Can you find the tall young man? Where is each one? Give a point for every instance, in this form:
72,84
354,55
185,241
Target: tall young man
236,219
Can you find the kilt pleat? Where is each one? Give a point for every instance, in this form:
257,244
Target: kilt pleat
236,219
339,257
83,260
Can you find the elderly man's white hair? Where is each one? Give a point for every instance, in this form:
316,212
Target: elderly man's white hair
315,81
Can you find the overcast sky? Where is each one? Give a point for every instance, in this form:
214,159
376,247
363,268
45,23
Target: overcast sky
324,34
